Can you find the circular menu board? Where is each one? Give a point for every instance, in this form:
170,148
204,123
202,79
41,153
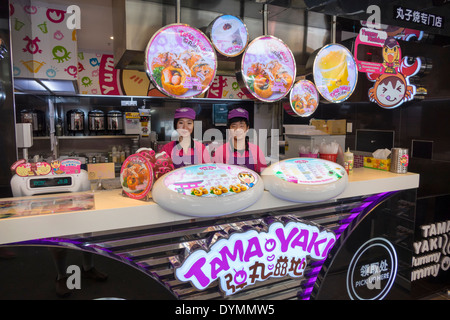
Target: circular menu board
180,61
136,176
208,189
305,179
228,35
267,69
304,99
335,73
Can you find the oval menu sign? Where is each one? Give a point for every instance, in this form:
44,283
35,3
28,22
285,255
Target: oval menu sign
229,35
267,69
305,179
195,190
180,61
335,73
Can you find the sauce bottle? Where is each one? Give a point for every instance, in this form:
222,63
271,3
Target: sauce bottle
348,161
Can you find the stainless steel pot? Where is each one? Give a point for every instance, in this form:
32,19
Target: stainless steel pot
36,118
96,121
75,121
115,121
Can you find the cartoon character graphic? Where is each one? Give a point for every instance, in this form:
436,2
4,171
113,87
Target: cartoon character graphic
391,55
247,178
56,167
391,90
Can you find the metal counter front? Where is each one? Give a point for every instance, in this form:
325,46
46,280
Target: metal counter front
157,250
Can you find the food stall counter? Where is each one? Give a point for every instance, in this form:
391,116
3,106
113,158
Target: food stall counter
113,211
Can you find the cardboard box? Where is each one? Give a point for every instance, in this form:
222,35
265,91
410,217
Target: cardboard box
330,126
380,164
100,171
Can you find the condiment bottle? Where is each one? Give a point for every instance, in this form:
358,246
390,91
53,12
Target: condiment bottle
348,161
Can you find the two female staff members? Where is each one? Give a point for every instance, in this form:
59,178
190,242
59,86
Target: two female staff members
238,150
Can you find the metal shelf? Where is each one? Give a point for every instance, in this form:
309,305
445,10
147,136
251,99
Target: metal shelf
130,136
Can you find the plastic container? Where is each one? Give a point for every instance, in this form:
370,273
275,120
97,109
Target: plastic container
348,161
329,157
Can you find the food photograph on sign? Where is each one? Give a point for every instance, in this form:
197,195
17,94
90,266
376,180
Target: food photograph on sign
228,35
195,189
268,69
335,73
304,98
180,61
136,176
305,179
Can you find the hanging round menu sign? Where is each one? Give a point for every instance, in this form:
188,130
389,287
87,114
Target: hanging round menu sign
208,189
136,176
228,35
180,61
305,179
267,69
335,73
304,99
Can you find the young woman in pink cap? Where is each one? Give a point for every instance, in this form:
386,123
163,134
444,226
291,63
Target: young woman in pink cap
185,151
239,150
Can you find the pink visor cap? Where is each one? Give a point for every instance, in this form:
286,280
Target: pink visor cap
238,113
184,113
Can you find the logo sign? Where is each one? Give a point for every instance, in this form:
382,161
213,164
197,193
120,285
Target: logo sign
418,17
379,56
392,89
251,256
372,271
369,50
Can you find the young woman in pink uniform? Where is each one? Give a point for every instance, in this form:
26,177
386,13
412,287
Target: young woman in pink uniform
185,151
239,150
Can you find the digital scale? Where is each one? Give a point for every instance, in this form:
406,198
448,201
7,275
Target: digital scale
35,185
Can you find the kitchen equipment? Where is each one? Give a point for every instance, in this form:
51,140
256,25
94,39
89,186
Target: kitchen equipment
36,118
96,121
75,121
115,122
131,123
399,160
34,185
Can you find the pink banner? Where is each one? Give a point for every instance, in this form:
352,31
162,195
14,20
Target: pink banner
108,76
